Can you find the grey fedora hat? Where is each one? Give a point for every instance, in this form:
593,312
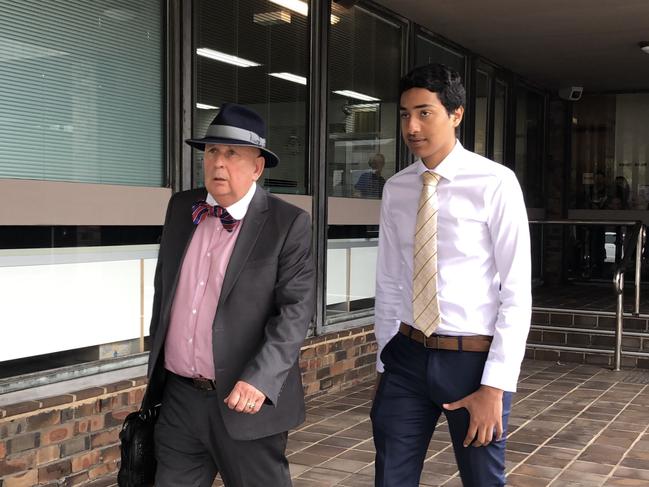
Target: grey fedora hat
237,125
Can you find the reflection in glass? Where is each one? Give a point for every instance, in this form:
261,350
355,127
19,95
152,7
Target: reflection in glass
481,112
364,66
363,133
610,136
255,52
428,52
82,90
529,145
499,122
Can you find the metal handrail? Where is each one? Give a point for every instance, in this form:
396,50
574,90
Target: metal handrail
632,242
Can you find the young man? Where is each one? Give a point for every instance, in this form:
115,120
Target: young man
453,298
234,296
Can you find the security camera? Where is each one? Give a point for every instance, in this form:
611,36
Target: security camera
571,93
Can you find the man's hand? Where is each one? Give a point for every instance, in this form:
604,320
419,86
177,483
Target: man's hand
244,398
485,408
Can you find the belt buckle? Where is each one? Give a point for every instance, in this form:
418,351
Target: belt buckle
203,383
434,341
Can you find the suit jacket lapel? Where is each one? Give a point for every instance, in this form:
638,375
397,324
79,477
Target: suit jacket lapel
250,230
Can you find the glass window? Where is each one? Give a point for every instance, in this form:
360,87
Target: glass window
255,52
81,85
364,67
529,145
611,152
94,288
500,105
481,112
364,70
428,52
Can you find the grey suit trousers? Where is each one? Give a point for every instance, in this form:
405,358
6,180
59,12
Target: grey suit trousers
192,445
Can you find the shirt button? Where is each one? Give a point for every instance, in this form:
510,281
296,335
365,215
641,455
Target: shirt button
209,254
190,340
400,288
193,311
193,369
202,283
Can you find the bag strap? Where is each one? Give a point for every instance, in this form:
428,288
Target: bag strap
146,400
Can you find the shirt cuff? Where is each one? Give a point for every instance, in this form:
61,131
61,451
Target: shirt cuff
379,365
500,375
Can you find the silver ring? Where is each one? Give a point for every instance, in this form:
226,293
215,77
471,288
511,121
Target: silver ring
251,405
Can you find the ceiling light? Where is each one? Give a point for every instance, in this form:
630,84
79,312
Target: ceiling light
355,94
203,106
225,58
13,50
290,77
295,5
300,7
364,107
644,46
272,18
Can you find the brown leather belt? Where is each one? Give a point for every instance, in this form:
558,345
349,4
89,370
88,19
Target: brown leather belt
198,382
470,343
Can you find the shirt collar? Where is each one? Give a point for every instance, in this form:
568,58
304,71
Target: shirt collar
450,165
239,209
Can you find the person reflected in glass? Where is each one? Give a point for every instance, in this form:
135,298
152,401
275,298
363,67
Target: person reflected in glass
598,198
370,184
621,194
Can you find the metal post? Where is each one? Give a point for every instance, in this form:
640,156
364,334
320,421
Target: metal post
638,263
348,278
317,153
619,284
141,305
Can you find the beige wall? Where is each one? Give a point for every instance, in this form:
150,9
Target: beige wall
26,202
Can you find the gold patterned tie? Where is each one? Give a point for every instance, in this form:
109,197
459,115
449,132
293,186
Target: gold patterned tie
424,290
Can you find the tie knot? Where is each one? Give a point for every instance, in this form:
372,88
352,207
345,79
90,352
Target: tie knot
430,178
201,210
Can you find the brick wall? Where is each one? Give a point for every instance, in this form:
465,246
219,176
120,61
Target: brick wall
338,360
72,439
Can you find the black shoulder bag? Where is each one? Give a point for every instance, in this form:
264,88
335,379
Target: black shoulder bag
137,468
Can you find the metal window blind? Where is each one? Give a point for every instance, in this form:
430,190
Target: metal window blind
81,91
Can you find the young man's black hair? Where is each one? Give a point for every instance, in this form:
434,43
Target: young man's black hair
440,79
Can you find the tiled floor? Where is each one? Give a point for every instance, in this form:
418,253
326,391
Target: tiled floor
571,425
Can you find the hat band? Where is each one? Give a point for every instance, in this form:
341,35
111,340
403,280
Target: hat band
229,132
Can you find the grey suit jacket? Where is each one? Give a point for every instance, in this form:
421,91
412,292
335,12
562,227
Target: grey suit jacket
265,307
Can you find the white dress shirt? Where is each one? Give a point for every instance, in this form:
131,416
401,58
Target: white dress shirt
483,258
239,209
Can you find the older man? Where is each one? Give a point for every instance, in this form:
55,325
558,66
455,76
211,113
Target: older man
234,290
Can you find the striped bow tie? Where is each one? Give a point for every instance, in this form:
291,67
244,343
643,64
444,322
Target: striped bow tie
201,210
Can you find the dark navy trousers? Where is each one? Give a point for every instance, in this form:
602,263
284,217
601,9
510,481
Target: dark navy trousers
408,404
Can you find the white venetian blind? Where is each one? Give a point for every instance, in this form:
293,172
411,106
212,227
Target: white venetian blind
81,91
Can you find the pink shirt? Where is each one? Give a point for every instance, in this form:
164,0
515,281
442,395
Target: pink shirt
188,346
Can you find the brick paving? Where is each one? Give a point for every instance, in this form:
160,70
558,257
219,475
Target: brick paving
571,425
